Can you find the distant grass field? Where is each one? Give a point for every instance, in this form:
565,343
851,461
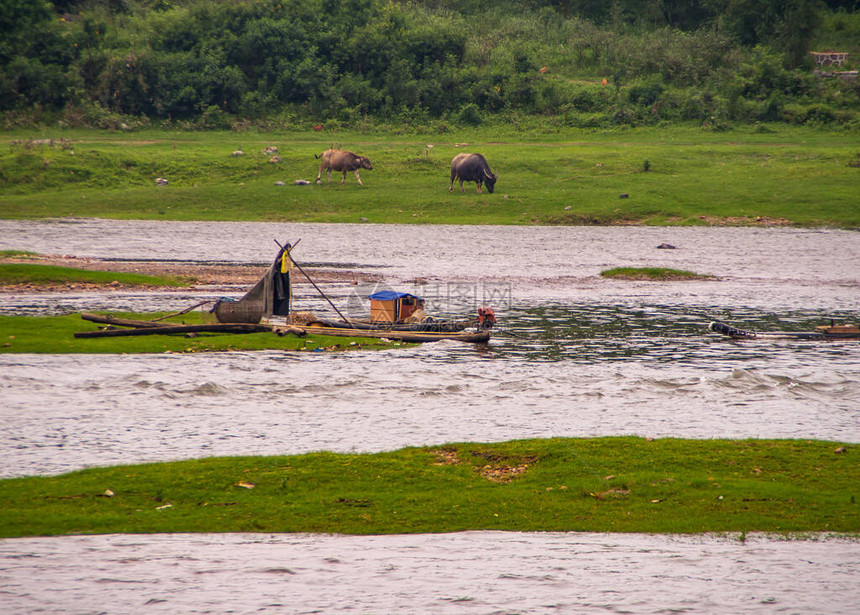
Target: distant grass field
582,484
17,254
14,273
673,175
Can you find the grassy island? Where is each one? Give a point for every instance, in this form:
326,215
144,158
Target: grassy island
659,274
616,484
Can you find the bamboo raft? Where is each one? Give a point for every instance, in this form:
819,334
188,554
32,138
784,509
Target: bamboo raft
434,326
473,337
148,327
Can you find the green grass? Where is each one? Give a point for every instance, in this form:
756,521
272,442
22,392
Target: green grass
784,175
593,484
652,273
11,273
17,254
55,335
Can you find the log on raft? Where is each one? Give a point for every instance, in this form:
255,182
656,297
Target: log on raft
172,329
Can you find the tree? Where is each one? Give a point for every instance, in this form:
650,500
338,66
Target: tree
787,25
21,22
801,19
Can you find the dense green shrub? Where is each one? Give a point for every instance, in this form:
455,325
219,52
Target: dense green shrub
470,115
645,94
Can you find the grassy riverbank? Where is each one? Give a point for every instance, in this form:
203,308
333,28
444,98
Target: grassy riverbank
673,175
618,484
55,335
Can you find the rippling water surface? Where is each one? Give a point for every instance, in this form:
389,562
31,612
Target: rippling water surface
576,355
467,572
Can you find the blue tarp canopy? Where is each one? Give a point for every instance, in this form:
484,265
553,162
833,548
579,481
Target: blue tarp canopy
391,295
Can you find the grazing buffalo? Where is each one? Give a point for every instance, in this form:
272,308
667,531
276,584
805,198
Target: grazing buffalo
472,168
342,160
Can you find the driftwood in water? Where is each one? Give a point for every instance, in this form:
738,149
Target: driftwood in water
167,330
833,332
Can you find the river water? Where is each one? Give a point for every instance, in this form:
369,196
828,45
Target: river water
576,355
466,572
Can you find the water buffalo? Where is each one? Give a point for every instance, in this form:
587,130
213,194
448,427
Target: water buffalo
342,160
471,168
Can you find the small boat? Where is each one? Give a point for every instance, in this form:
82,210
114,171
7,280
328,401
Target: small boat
825,332
398,311
400,316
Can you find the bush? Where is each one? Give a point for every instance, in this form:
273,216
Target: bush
685,105
213,118
594,98
469,115
645,94
93,115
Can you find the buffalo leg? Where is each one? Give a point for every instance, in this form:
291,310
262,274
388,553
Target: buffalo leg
357,177
479,186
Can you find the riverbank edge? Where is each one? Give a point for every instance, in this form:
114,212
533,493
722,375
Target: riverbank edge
211,276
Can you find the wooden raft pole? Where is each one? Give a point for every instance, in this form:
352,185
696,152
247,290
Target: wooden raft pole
120,322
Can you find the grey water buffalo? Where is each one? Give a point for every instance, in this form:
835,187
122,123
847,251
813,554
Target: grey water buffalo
344,161
472,168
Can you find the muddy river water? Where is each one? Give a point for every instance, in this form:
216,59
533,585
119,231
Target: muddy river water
576,355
